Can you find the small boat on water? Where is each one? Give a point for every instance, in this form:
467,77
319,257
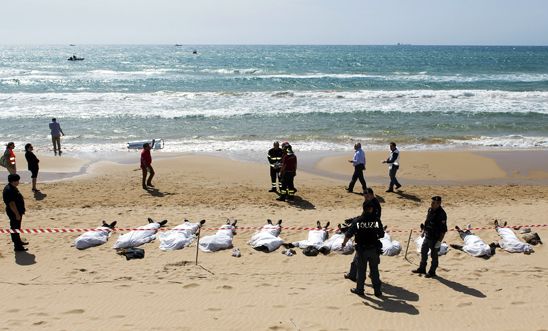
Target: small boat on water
75,58
178,45
154,144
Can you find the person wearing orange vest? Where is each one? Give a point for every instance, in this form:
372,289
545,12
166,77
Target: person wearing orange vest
9,158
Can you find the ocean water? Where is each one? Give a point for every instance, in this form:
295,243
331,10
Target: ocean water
241,98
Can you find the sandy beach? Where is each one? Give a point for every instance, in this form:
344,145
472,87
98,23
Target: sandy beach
54,286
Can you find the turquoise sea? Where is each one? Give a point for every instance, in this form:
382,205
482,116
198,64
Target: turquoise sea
241,98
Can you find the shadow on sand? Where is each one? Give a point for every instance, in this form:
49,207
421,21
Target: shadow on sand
395,299
460,287
39,195
24,258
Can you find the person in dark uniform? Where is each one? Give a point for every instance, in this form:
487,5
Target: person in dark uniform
370,201
32,162
367,230
15,209
435,228
275,159
288,171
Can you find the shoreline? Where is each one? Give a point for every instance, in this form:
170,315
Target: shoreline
519,167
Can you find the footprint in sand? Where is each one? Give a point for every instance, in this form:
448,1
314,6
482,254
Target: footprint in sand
214,309
277,327
39,323
278,306
517,303
12,311
464,304
75,311
191,285
225,287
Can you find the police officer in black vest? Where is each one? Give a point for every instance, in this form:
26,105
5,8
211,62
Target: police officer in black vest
435,228
367,229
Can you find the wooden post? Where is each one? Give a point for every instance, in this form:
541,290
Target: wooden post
198,244
408,241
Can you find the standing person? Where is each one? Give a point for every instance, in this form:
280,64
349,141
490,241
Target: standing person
288,171
56,133
435,228
393,166
372,204
32,162
368,230
275,159
8,158
359,166
15,209
146,166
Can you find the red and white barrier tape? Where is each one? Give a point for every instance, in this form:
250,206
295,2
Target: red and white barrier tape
292,228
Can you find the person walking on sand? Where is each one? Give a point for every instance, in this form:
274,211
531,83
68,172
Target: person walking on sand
146,166
56,133
288,171
359,166
393,166
32,162
275,160
15,209
435,228
8,158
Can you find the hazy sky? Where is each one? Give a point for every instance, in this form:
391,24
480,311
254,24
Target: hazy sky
460,22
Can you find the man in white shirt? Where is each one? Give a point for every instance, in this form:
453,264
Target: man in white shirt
359,167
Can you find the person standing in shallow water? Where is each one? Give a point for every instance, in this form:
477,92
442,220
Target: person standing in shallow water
56,133
32,162
393,166
146,166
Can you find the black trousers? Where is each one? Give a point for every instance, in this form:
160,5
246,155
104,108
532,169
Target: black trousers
429,245
392,174
15,225
288,188
358,174
358,267
275,174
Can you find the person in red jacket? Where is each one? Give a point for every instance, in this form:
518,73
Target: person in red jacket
8,159
146,166
288,172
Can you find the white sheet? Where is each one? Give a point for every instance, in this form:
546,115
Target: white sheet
390,247
179,237
137,237
267,236
220,240
93,238
510,242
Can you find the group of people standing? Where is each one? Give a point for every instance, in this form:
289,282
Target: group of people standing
13,199
283,169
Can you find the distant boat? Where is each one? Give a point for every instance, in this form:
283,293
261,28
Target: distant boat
75,58
178,45
194,52
72,45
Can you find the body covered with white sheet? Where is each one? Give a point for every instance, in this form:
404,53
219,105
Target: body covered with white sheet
442,250
510,242
143,235
316,237
222,239
390,247
97,237
180,236
267,239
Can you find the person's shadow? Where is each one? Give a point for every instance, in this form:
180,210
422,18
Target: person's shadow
395,299
156,192
407,196
39,195
24,258
301,203
460,287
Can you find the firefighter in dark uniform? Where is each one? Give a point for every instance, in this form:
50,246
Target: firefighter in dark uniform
288,171
435,228
275,160
367,229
